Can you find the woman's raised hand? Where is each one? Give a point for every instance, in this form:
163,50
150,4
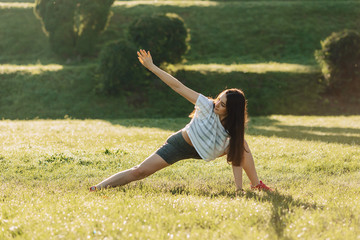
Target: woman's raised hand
145,58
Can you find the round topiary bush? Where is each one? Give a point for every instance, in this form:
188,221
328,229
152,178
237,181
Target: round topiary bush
119,68
73,27
164,35
339,59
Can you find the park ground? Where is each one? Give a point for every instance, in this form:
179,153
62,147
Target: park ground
47,167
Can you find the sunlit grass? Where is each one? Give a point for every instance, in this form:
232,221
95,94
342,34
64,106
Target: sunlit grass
249,68
178,3
32,69
46,167
4,5
221,68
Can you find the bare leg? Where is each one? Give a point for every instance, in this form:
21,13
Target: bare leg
146,168
249,166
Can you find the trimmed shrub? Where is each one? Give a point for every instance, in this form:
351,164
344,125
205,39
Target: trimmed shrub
73,27
57,18
119,69
164,35
339,59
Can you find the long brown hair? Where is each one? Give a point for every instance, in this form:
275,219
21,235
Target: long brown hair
234,123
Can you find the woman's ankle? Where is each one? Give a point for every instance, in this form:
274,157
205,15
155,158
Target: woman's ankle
256,183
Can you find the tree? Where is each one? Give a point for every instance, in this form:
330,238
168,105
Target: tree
119,69
339,59
73,26
164,35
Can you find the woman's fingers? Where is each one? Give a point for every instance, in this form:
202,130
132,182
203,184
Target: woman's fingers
140,54
144,57
143,53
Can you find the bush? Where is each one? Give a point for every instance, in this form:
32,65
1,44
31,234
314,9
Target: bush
119,69
73,27
339,59
164,35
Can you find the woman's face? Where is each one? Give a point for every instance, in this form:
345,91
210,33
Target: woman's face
220,105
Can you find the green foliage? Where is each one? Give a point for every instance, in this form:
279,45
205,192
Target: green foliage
164,35
218,34
119,69
58,22
339,59
73,27
92,17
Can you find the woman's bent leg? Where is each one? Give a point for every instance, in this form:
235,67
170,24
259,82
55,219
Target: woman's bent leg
146,168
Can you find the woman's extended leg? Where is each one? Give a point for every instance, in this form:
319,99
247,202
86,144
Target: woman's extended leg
249,166
146,168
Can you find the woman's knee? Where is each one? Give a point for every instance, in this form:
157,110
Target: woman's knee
139,172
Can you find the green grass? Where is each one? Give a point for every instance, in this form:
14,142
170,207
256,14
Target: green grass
48,165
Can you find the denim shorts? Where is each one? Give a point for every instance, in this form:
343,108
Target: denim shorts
176,149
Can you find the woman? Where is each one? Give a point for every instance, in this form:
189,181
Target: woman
217,128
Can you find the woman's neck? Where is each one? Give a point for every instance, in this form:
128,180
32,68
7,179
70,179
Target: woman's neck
222,118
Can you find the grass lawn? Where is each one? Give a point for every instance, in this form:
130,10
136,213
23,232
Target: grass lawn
46,167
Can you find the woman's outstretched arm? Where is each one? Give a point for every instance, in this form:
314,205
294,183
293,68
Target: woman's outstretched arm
176,85
237,171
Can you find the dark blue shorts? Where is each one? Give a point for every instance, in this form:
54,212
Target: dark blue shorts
176,149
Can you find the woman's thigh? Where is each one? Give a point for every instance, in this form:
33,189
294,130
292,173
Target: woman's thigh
152,164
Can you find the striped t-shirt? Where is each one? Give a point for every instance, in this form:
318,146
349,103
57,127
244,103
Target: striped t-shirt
205,130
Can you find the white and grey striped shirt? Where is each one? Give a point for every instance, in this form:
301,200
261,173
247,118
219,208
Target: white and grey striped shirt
205,130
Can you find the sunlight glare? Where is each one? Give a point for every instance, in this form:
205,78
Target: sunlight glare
248,68
4,5
166,2
32,69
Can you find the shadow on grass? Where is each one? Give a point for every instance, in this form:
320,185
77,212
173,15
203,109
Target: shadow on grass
281,206
309,133
171,124
259,127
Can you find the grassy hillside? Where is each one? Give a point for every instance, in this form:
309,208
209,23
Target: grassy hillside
257,31
233,44
226,32
48,165
70,91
